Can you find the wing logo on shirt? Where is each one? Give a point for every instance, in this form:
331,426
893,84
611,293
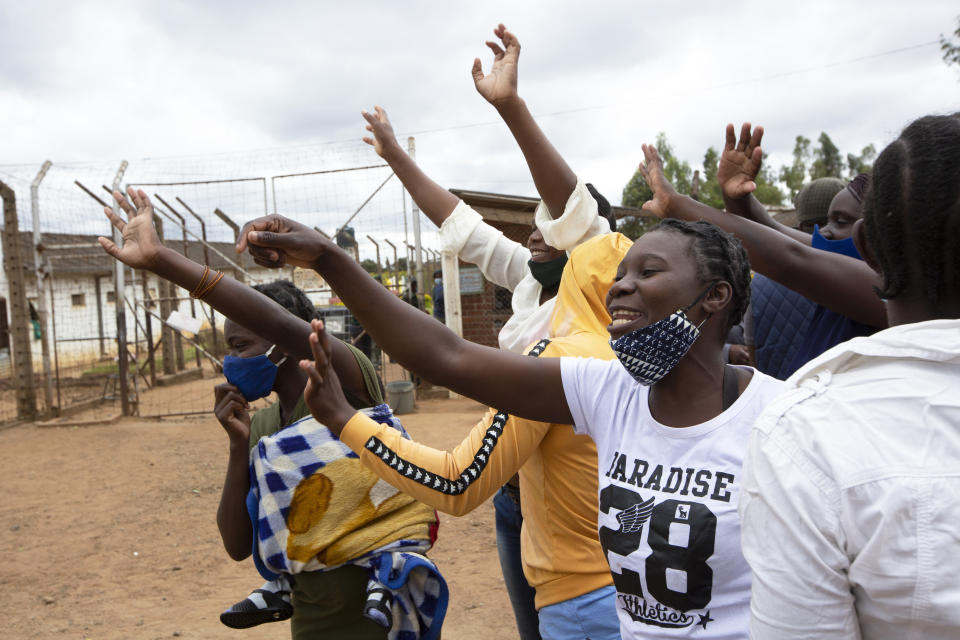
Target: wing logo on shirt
633,518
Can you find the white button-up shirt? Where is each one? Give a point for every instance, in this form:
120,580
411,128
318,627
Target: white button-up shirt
851,497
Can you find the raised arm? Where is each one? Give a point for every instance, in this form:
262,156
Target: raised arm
502,261
552,176
378,444
244,305
436,202
737,172
523,386
842,284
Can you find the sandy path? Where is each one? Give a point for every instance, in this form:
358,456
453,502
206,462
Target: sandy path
109,532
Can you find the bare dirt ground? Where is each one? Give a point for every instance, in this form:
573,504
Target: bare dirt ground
108,532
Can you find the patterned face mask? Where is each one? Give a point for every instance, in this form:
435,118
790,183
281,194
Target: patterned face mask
649,353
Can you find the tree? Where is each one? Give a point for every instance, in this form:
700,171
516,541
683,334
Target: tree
709,187
796,174
951,47
677,172
401,265
767,190
637,192
635,226
862,163
827,161
369,265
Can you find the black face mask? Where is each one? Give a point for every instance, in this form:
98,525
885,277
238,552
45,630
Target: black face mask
548,273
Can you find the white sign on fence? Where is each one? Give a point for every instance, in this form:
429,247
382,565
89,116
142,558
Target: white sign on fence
471,280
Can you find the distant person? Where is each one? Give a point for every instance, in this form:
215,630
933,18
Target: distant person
778,318
410,293
439,310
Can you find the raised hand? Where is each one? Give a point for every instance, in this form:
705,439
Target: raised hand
501,83
141,246
233,411
740,162
652,171
275,241
384,141
323,393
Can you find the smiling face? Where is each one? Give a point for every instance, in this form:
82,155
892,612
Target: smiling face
844,211
540,251
656,277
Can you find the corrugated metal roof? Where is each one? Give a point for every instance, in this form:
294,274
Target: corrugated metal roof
80,253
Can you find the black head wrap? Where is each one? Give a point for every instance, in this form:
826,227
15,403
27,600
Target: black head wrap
603,206
858,186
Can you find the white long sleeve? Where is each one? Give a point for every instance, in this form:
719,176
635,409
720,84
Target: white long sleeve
504,262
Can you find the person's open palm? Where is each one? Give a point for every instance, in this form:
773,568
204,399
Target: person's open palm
652,171
501,83
140,245
379,125
740,162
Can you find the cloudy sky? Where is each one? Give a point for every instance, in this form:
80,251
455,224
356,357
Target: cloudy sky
90,83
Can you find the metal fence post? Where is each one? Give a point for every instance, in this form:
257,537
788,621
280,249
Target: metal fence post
236,235
415,218
164,292
379,267
396,267
181,365
14,265
119,287
215,347
40,264
451,297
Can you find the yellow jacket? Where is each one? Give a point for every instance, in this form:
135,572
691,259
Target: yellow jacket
562,557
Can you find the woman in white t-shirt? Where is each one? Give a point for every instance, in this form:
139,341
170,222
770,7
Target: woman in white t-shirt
670,419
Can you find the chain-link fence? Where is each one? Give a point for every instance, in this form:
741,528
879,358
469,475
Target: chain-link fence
77,331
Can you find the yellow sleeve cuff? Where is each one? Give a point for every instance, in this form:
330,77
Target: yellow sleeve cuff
358,430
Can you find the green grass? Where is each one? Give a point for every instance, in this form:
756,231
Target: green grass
112,368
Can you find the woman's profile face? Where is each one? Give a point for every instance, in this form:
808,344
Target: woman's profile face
844,212
656,277
242,343
540,251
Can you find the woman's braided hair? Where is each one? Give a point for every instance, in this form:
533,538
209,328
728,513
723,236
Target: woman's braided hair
912,210
720,256
290,297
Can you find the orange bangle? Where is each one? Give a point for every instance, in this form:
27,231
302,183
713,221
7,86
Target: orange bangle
196,290
210,286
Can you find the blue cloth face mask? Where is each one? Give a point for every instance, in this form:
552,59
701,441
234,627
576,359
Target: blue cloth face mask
254,376
844,247
651,352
